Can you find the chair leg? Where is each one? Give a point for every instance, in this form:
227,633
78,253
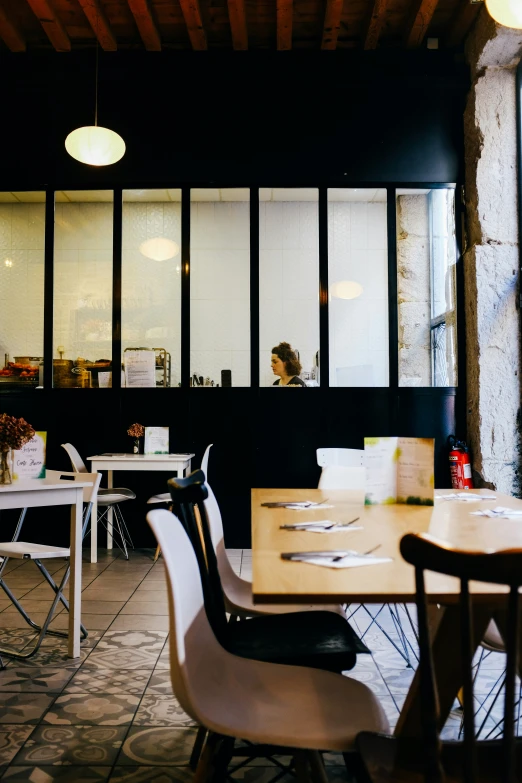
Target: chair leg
157,553
317,767
206,765
198,747
302,770
124,527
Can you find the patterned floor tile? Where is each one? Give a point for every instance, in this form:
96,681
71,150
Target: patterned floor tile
160,682
109,681
42,774
11,740
77,745
55,657
23,707
128,650
137,622
151,775
34,680
16,638
372,678
164,746
108,709
159,709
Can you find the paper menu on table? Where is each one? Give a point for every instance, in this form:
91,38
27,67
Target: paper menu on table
29,461
140,368
156,440
399,470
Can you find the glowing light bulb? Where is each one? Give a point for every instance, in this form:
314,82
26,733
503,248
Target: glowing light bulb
8,263
95,145
506,12
159,248
346,289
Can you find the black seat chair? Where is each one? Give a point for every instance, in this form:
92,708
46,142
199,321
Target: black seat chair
319,639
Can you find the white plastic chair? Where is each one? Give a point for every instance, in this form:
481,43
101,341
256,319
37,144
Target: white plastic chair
237,591
107,499
349,458
234,697
24,550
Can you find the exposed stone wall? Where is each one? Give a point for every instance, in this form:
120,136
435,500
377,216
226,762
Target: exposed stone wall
491,257
413,290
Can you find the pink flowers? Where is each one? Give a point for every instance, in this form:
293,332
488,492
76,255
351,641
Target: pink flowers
14,433
136,431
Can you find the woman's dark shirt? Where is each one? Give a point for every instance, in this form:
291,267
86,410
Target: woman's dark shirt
296,381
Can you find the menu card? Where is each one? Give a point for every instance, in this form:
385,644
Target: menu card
140,368
156,440
399,470
29,461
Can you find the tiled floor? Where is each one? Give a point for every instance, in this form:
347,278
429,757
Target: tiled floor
111,715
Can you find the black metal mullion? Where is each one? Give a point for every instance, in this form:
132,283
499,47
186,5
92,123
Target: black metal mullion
393,306
254,287
185,287
324,352
116,287
48,290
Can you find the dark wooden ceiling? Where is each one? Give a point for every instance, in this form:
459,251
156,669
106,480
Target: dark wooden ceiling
66,25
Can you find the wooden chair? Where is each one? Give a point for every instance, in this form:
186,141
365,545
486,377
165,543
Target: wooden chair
299,710
409,760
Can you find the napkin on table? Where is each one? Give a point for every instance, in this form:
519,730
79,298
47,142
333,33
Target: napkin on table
350,561
465,496
499,512
322,526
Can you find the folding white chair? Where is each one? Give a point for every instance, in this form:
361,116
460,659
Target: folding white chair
348,458
107,499
300,709
24,550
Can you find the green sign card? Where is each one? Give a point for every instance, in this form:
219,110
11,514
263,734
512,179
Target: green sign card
29,461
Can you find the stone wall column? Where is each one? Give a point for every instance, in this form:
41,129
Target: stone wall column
491,258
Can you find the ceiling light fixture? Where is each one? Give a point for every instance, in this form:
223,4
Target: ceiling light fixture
92,144
159,248
506,12
346,289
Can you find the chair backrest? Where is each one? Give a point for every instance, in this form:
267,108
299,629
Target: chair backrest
350,458
76,461
197,662
89,493
340,477
204,461
426,553
186,493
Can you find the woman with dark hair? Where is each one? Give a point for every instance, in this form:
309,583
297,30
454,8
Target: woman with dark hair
286,364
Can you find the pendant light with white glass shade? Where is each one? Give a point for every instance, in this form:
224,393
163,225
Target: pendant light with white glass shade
506,12
92,144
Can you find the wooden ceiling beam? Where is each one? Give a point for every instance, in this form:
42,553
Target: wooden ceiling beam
52,25
146,25
101,28
10,34
332,23
374,26
285,13
238,25
192,15
461,23
419,22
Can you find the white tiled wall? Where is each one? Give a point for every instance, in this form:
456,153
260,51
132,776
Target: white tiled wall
83,280
358,333
220,290
288,281
22,238
151,290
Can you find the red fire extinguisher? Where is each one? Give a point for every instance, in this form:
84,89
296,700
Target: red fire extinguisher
460,466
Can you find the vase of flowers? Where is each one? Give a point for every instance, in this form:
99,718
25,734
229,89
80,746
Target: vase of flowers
14,433
136,431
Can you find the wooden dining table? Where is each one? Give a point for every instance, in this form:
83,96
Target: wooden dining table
281,581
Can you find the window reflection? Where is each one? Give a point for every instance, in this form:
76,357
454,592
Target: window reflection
83,247
358,286
289,278
22,239
220,287
151,286
426,258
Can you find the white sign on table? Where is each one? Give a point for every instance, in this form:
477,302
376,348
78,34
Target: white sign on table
156,440
29,461
399,470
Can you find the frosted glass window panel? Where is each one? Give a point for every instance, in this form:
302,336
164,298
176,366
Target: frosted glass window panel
151,275
426,263
83,248
220,284
358,287
22,241
289,277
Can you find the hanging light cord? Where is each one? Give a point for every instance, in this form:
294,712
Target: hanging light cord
96,90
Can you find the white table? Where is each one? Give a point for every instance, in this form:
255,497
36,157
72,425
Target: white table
175,464
37,493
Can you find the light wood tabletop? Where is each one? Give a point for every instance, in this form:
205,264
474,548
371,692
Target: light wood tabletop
280,581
